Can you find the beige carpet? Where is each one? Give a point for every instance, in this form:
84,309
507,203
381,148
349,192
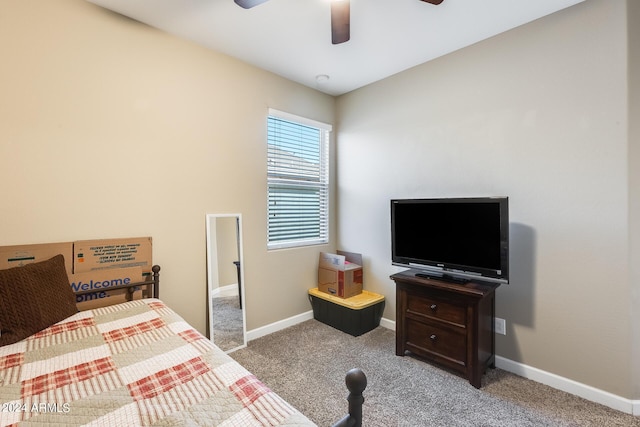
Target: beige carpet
306,365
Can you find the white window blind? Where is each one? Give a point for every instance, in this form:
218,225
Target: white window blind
298,181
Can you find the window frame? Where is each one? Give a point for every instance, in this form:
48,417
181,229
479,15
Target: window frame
322,185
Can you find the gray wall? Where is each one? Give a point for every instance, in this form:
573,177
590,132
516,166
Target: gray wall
538,114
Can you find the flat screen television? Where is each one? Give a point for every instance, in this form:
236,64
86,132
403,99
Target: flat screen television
452,238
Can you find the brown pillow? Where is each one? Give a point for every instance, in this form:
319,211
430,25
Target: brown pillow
34,297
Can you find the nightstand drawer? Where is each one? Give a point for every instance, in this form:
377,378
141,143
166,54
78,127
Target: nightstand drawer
430,340
437,309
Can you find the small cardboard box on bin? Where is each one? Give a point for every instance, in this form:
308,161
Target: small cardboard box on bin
340,274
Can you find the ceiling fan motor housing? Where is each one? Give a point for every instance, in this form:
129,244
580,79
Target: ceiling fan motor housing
340,17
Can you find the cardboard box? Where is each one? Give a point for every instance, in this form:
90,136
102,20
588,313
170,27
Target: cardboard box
92,264
101,281
17,256
92,255
340,274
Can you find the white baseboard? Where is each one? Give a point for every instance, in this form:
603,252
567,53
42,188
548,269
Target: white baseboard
582,390
279,325
389,324
552,380
294,320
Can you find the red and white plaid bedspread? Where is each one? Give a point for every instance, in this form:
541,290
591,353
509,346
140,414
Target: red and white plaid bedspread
131,364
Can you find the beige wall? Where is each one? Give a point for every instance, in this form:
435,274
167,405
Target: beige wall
633,19
538,114
112,129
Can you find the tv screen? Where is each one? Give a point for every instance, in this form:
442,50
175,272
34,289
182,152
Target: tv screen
457,237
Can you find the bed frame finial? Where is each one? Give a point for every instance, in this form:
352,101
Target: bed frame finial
356,382
156,280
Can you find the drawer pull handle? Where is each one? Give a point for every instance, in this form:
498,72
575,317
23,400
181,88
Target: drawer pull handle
433,307
433,337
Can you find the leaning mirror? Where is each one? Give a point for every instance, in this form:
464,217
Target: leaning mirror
224,280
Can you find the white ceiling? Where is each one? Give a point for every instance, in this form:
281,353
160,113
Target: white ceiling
292,38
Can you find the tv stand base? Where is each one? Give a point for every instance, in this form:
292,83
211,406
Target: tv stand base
444,277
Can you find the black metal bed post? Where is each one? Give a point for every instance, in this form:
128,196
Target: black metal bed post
156,281
356,383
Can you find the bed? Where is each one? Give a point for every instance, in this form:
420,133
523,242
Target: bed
133,363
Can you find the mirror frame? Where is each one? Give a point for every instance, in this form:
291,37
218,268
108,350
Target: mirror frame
209,218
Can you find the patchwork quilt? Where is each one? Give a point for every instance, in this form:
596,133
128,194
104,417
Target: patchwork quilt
131,364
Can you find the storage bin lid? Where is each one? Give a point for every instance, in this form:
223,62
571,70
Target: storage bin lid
357,302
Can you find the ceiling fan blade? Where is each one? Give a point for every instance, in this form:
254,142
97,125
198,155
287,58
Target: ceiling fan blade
340,21
248,4
435,2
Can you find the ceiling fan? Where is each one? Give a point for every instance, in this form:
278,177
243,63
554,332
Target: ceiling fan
340,19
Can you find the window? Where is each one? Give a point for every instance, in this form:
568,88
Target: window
297,180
